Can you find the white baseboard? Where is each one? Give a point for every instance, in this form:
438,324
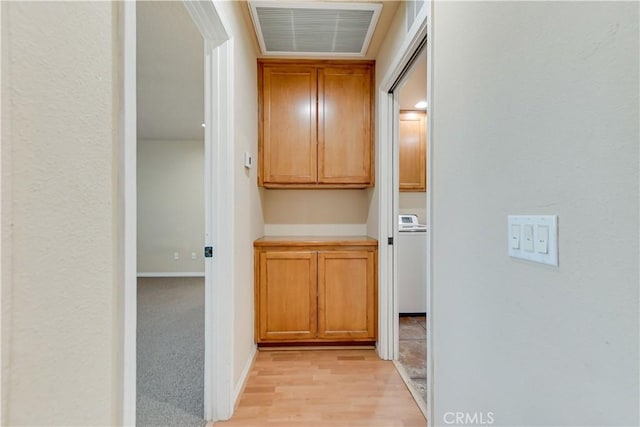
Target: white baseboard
172,274
242,381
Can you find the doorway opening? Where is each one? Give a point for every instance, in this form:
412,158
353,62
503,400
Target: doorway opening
410,190
171,216
415,44
218,209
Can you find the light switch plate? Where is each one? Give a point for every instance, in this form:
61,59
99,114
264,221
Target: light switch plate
538,239
248,160
542,239
514,237
527,237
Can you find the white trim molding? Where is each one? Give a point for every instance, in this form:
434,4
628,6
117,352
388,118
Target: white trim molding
4,240
219,307
387,203
127,214
386,300
208,20
219,202
244,375
430,305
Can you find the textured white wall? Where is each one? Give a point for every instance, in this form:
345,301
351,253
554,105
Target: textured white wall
170,206
536,112
58,296
249,224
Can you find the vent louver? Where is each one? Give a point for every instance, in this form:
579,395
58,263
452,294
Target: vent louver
314,28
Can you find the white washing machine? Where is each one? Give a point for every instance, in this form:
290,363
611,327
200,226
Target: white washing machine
412,265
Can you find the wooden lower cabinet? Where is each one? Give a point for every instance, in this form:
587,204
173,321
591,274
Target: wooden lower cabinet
346,295
287,301
322,292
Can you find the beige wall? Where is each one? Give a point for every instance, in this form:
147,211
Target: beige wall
391,46
311,212
249,224
388,51
414,203
170,206
58,192
535,111
315,206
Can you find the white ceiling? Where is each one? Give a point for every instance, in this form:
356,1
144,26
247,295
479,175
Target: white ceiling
414,87
170,72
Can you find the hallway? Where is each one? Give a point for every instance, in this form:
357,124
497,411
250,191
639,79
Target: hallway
325,388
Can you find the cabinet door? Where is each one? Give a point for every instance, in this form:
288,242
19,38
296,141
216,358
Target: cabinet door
412,147
287,295
288,124
344,125
346,295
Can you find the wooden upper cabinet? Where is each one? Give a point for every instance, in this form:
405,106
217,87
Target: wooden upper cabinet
344,125
412,148
316,126
289,126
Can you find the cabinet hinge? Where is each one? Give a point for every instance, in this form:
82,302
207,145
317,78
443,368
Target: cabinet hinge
208,251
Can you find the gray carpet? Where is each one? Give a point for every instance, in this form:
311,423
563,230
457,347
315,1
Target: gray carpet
170,359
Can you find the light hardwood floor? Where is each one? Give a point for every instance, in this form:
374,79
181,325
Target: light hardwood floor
325,388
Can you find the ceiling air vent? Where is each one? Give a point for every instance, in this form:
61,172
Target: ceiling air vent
314,28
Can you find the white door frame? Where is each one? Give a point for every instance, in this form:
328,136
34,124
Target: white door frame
388,309
3,268
127,204
388,203
218,388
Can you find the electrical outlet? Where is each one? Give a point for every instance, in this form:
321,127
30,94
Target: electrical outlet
194,255
176,255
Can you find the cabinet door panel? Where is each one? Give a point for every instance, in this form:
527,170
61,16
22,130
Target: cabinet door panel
346,295
412,148
344,125
287,295
289,126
